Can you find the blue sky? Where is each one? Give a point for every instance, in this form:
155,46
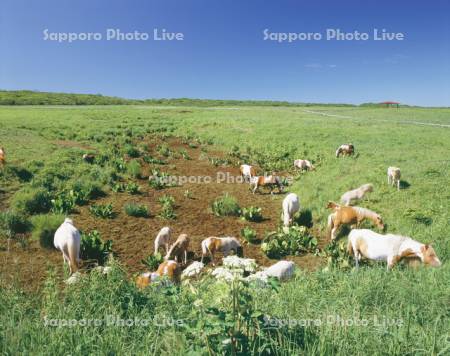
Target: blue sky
224,55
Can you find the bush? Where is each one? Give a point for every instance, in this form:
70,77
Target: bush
63,203
132,151
252,214
153,261
94,248
132,188
226,206
84,190
102,211
31,201
136,210
167,211
134,168
248,234
13,223
151,160
291,242
44,228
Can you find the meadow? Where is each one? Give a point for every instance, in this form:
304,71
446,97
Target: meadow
328,308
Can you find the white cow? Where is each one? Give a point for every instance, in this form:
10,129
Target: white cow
291,205
67,239
247,172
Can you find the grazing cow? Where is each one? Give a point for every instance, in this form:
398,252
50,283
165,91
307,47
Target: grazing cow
247,172
390,248
355,195
179,249
350,215
67,239
282,270
169,269
266,181
303,164
393,176
162,239
290,206
2,156
89,157
211,245
345,150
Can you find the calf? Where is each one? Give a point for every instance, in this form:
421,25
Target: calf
390,248
303,164
266,181
290,206
393,176
353,196
169,269
2,156
247,172
162,239
67,239
345,150
179,249
211,245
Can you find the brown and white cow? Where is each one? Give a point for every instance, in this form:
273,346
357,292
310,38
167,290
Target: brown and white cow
266,181
390,248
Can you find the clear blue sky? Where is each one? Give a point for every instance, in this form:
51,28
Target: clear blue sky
223,54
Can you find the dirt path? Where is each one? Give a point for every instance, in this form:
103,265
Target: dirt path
380,120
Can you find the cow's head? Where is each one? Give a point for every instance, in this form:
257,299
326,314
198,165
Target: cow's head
429,257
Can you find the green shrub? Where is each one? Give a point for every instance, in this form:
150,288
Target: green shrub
134,168
132,188
102,211
153,261
31,201
84,190
188,194
252,214
136,210
248,234
44,228
13,223
118,187
131,151
226,206
94,248
164,150
294,241
167,210
64,203
159,180
150,160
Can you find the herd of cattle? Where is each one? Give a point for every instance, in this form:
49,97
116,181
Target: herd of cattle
361,242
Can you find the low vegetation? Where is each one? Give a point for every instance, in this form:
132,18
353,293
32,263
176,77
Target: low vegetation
44,228
136,210
293,241
94,248
226,206
104,211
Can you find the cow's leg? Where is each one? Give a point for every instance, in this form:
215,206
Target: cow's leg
398,184
185,256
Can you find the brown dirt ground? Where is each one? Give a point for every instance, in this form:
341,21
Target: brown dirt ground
133,238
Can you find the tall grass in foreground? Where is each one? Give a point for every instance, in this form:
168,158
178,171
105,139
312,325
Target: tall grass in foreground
370,311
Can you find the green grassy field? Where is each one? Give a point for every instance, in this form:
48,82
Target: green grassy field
405,311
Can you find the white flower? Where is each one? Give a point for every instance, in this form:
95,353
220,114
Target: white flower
235,262
193,269
225,274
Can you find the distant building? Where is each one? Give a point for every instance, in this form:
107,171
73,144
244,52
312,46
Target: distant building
390,104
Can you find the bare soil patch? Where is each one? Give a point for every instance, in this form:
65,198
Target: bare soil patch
133,238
